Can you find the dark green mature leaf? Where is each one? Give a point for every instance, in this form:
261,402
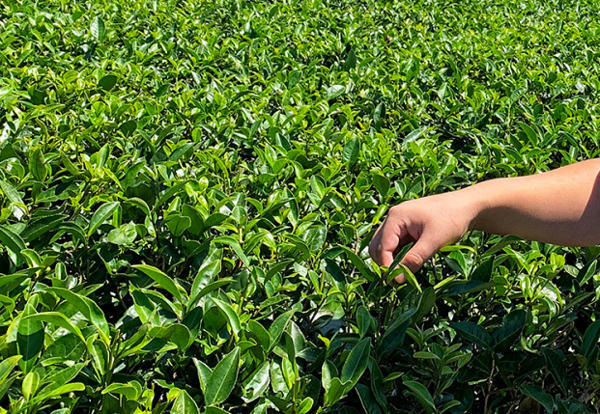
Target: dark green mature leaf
382,184
462,287
426,304
205,274
422,395
8,282
351,151
223,378
393,337
590,339
278,326
556,367
178,224
13,242
315,237
379,113
356,363
41,226
166,196
181,336
58,319
215,410
37,165
473,332
257,383
350,62
107,82
88,308
229,313
539,395
162,280
363,319
367,399
506,335
30,338
214,220
483,273
262,335
101,215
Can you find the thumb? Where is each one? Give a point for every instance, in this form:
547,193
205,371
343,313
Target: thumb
421,252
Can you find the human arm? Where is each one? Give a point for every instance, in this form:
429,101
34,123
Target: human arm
561,206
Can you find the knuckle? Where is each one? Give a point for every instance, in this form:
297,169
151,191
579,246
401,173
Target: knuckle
414,259
406,208
397,209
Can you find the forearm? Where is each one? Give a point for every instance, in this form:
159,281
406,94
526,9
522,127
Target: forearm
560,206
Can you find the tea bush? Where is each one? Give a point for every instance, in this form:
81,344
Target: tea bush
188,190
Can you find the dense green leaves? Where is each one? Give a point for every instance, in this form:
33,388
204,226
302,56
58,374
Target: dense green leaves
188,191
504,337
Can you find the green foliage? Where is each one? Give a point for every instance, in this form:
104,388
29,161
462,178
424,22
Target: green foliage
188,190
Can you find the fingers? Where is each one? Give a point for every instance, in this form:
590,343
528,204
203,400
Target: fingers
422,251
385,243
392,235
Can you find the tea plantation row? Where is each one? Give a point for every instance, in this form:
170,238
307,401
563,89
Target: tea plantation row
188,190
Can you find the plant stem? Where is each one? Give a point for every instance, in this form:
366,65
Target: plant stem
489,388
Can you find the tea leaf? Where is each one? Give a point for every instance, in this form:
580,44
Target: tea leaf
101,215
184,404
162,280
356,363
97,28
223,378
422,395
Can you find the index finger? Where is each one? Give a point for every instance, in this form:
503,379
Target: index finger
385,242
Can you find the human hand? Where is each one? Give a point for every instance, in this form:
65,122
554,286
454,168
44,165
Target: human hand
431,222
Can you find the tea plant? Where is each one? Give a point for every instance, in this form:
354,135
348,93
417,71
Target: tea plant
188,190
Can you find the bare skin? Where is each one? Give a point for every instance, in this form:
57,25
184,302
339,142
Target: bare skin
561,206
